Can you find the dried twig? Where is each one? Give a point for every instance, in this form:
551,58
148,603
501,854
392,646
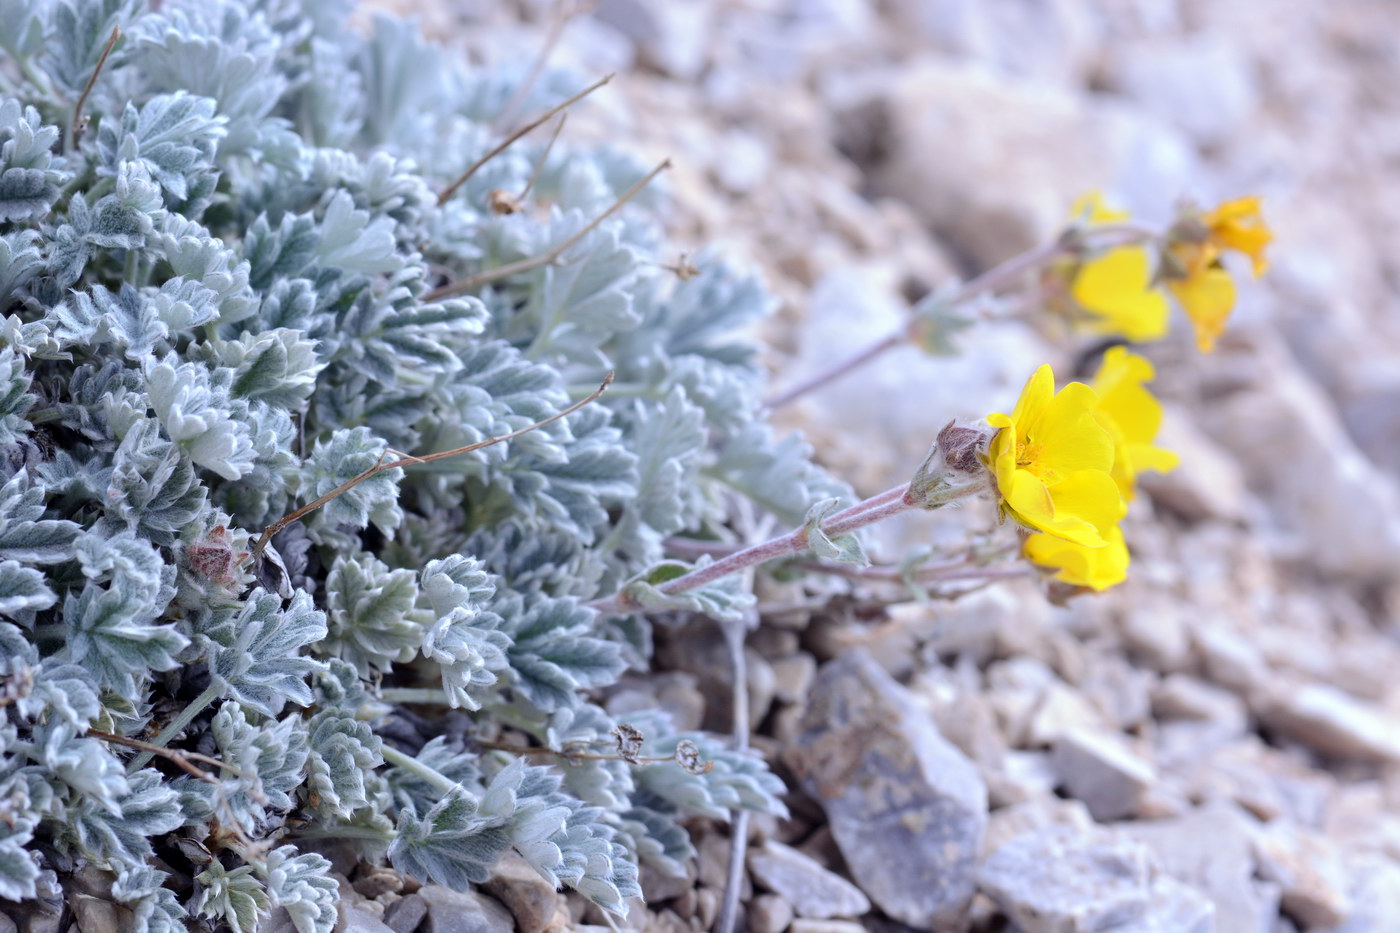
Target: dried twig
180,757
380,466
79,124
550,255
551,39
500,147
539,163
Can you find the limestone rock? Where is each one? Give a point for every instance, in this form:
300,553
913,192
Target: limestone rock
805,884
769,913
96,915
1058,880
1100,769
404,915
1295,451
454,912
907,809
355,918
949,128
1207,484
532,900
1008,823
1375,896
1201,84
1332,722
1309,870
1210,849
1172,907
825,926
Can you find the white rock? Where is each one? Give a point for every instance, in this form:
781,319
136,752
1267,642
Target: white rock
1202,85
907,809
1173,907
769,913
1207,484
1344,511
1058,880
1309,872
812,890
673,36
1332,722
1210,849
1228,657
1102,771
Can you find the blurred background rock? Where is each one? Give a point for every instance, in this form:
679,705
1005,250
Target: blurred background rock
1233,708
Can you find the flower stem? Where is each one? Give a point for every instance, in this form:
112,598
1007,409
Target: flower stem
423,695
412,765
993,279
172,728
839,370
872,510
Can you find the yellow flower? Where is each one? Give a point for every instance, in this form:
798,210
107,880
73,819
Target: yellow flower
1132,417
1116,287
1239,226
1199,280
1051,460
1096,568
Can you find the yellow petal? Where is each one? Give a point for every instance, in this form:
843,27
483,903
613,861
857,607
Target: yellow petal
1038,392
1091,207
1067,438
1117,288
1089,496
1123,397
1207,298
1238,225
1095,568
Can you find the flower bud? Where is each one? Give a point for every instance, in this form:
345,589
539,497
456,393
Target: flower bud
956,462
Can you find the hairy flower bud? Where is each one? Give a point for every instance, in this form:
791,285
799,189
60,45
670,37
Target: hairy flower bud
956,461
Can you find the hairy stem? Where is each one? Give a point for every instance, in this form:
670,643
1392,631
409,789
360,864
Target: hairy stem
993,279
425,695
734,633
839,370
892,503
412,765
172,728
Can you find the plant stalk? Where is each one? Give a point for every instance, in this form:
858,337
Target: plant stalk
172,728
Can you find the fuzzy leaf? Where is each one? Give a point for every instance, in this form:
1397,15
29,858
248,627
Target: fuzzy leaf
153,906
465,639
149,808
257,655
28,177
23,589
347,454
115,636
195,411
235,896
25,535
343,751
555,653
370,621
844,548
725,599
304,886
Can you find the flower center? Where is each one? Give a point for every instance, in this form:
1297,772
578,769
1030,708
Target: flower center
1028,458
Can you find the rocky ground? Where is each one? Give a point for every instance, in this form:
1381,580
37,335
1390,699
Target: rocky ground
1213,745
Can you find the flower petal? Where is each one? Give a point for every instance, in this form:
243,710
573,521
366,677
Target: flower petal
1207,298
